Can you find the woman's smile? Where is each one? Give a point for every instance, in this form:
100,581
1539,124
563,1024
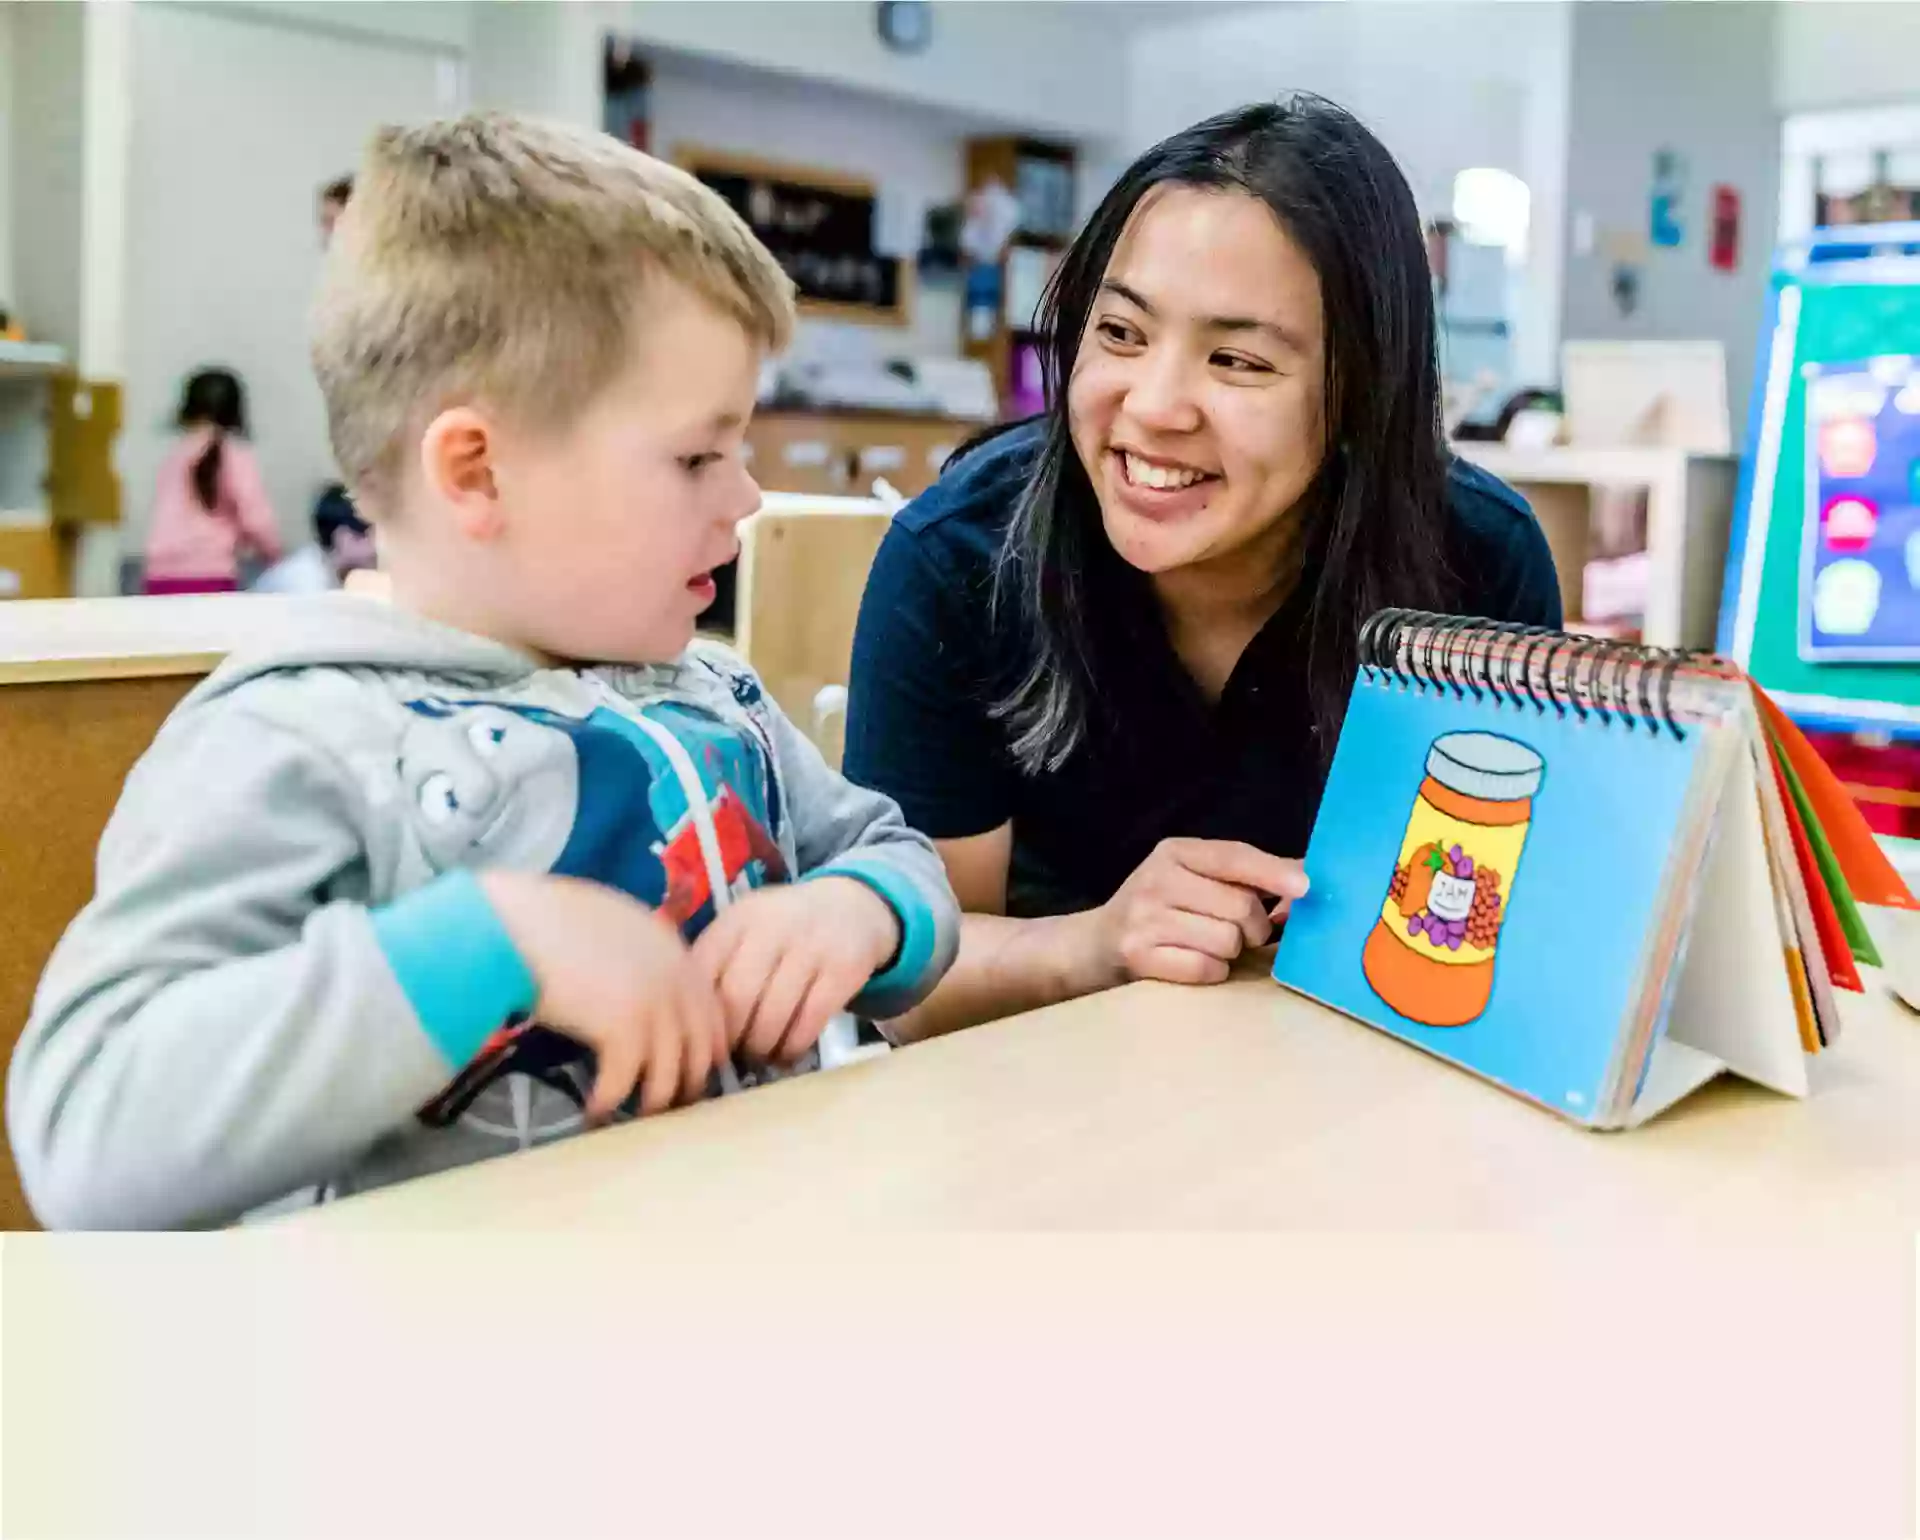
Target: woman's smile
1158,488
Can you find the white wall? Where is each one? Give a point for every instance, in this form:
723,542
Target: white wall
105,258
913,156
1843,53
445,24
1445,85
48,98
1048,66
540,59
1693,78
241,114
7,50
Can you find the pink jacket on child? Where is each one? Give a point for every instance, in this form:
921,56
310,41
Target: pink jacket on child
188,542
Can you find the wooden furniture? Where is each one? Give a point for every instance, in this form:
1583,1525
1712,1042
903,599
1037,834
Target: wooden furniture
1241,1106
841,454
1689,513
56,467
36,557
803,568
1041,175
84,685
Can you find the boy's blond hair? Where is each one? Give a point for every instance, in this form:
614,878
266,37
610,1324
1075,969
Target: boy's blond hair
503,260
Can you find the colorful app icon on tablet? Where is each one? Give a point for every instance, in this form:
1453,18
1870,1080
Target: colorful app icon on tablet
1860,565
1849,523
1847,447
1846,597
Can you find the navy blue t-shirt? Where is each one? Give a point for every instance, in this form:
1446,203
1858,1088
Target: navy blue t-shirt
932,655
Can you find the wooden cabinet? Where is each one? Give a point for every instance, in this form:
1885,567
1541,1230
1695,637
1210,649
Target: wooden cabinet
36,559
57,434
841,454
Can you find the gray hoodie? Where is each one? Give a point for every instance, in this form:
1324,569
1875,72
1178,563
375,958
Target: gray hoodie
289,979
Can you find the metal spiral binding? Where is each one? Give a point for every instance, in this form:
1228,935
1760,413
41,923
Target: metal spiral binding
1594,679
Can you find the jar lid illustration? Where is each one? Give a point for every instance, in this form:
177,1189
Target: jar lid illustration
1485,765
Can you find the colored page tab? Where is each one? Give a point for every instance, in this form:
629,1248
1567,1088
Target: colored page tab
1870,876
1826,918
1858,941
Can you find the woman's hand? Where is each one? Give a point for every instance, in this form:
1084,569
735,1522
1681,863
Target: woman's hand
1191,908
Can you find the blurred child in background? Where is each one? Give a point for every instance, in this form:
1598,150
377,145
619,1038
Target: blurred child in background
342,543
210,506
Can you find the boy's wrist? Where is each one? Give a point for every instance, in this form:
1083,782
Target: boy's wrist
455,958
903,968
883,919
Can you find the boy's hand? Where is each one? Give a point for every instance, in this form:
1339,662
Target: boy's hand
786,959
614,975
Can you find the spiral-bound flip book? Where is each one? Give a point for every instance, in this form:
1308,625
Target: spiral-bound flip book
1595,874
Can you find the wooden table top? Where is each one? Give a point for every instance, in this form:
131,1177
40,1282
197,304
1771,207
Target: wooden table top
46,640
1240,1106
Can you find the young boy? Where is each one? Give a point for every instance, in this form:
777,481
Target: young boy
355,865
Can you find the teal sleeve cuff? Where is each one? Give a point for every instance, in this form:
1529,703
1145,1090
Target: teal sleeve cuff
456,963
897,987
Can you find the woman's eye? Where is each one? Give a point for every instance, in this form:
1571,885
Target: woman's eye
439,802
1119,332
486,738
1235,364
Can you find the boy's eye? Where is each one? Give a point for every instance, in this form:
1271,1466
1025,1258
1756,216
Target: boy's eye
696,463
439,802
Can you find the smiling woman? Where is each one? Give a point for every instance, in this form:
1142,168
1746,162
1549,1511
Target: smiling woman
1103,661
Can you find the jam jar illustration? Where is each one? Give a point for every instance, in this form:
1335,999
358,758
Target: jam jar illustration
1431,954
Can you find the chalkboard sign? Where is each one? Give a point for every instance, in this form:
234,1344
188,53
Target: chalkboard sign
819,227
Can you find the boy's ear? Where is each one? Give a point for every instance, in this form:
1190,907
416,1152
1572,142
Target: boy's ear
456,460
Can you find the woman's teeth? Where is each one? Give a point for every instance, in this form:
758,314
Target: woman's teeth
1143,473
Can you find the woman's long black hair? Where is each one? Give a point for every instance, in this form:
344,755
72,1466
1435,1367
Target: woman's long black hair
212,398
1373,531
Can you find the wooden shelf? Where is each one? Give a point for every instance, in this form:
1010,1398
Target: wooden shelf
999,159
1689,513
30,360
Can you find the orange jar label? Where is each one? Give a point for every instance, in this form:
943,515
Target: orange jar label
1430,957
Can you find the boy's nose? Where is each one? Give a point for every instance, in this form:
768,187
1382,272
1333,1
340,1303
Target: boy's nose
748,502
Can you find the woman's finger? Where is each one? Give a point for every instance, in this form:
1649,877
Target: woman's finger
1242,907
1177,965
1193,933
1244,866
